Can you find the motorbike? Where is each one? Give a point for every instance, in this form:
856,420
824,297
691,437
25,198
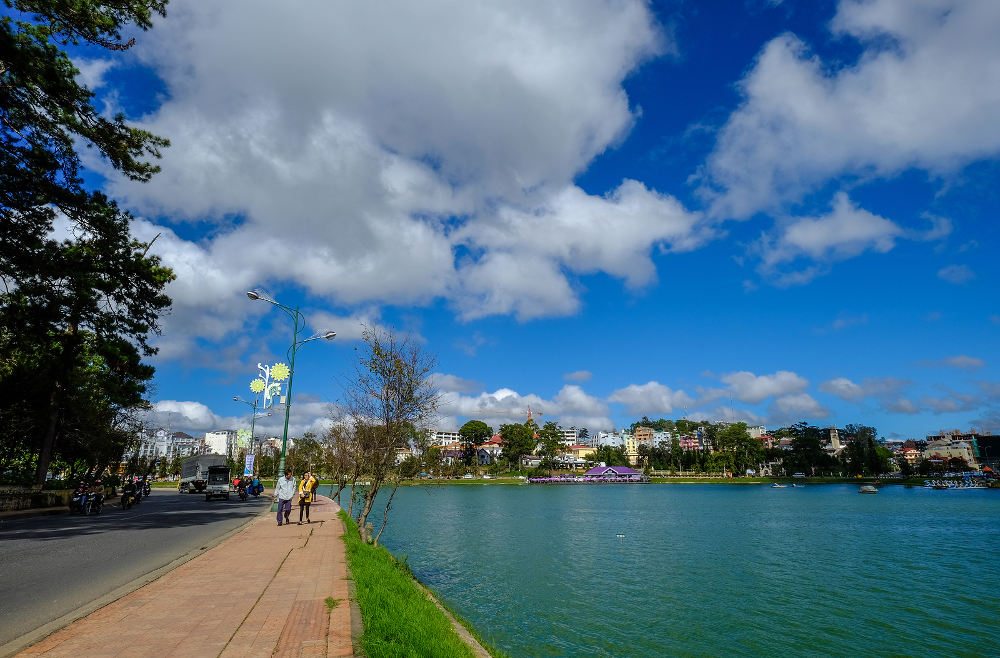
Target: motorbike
129,496
256,488
146,488
241,489
85,501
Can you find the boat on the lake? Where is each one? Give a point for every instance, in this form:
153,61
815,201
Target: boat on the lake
779,486
868,489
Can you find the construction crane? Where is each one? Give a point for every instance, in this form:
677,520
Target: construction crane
529,411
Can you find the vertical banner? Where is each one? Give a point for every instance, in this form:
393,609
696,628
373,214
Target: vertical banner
248,470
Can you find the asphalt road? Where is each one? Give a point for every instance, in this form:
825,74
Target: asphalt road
53,566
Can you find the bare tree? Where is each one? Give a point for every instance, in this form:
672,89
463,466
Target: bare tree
388,395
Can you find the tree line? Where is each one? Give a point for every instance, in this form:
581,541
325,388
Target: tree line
79,295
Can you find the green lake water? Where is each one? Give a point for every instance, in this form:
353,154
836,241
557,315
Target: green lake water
657,570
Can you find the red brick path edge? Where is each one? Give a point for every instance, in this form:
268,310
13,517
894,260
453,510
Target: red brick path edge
266,590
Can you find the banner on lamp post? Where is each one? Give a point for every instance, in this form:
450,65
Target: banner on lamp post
248,470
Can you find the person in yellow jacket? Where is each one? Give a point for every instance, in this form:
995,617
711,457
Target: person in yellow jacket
307,488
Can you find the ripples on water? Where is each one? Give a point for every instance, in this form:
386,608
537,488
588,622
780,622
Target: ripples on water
709,569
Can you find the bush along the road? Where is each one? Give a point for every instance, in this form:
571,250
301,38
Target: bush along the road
398,618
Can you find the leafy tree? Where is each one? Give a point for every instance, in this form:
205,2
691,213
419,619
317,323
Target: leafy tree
676,452
610,455
744,452
68,306
389,393
473,433
549,437
518,441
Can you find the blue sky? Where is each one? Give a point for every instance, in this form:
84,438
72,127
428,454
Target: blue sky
757,211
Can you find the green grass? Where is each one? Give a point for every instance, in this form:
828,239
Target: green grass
399,619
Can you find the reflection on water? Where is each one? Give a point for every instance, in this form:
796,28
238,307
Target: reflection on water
709,569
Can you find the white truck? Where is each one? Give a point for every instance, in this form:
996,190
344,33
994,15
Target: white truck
194,472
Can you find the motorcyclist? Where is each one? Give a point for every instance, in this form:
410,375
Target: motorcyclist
128,493
257,489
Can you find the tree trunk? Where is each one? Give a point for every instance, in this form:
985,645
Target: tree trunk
369,503
49,438
385,514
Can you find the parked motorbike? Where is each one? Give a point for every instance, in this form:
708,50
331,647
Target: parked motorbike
85,501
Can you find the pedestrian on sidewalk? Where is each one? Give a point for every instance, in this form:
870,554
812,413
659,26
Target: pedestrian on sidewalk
284,491
306,488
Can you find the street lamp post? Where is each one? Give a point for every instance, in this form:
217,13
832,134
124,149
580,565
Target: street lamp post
253,418
299,324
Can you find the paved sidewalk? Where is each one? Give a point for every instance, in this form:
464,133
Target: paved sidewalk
262,592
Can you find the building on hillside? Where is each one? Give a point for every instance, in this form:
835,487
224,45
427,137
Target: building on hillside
222,442
911,456
167,446
612,439
444,437
949,448
690,443
568,437
756,431
631,448
644,435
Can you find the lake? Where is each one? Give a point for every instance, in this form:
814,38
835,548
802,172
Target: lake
646,570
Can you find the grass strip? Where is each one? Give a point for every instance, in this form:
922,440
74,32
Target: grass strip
398,618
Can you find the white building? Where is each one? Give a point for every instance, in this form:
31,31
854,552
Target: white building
444,437
222,442
613,439
168,446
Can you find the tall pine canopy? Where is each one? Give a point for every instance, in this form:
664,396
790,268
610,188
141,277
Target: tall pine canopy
75,313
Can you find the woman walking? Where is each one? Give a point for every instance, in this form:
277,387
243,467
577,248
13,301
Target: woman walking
306,487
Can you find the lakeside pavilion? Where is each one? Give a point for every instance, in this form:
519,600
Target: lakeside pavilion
614,472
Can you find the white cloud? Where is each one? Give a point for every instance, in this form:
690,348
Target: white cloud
901,406
797,406
885,389
956,274
92,71
845,232
578,376
453,384
925,93
748,387
843,388
381,141
651,399
961,362
572,406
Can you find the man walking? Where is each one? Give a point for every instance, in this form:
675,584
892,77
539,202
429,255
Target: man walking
284,490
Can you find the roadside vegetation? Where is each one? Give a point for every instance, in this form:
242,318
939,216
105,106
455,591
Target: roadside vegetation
398,618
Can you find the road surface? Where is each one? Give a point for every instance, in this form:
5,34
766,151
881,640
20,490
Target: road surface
59,565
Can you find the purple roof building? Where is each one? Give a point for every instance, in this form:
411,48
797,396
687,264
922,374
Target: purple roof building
613,471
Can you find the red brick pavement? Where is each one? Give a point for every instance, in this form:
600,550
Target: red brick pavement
262,592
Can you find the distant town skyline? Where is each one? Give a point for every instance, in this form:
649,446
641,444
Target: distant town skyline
762,211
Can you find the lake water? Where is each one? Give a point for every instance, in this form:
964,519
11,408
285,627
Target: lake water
651,570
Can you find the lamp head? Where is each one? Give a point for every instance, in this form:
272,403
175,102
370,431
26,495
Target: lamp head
253,294
236,398
330,335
